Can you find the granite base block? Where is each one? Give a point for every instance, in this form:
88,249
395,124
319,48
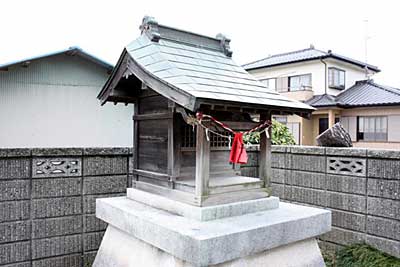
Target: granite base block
164,237
135,253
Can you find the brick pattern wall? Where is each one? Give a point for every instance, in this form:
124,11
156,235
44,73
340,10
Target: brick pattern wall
361,187
47,203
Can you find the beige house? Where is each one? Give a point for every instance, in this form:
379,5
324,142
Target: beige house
341,90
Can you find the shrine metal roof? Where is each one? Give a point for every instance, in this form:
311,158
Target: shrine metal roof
199,68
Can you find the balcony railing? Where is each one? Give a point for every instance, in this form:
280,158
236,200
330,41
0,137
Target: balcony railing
294,89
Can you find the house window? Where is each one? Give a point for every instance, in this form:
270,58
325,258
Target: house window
336,78
323,125
300,82
280,119
270,83
294,129
372,128
345,122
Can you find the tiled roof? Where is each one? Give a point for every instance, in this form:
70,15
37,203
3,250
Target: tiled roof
368,93
324,100
361,94
303,55
73,49
201,67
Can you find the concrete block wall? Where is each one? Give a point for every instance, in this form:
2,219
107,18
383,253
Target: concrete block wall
47,203
361,187
47,197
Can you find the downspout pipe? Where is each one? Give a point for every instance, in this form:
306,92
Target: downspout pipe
326,72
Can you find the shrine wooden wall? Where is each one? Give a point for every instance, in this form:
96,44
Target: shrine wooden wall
152,133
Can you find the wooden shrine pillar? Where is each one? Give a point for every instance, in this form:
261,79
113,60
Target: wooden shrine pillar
174,148
202,165
135,151
265,155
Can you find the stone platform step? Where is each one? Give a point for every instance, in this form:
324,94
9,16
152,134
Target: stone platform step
203,213
205,243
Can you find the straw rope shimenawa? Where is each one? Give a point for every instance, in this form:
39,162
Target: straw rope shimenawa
198,121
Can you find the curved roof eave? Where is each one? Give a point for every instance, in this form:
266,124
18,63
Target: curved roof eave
155,83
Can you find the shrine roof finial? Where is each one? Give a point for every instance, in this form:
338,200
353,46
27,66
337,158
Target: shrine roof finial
225,44
149,27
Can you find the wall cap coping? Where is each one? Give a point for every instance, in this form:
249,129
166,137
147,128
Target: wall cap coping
346,151
278,148
383,153
107,151
64,151
60,151
338,151
310,150
14,152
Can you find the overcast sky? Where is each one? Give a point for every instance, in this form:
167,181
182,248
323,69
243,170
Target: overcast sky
257,28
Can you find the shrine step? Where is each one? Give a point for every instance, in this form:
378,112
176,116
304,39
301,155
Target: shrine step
203,213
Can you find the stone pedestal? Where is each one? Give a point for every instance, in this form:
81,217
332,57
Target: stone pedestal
238,234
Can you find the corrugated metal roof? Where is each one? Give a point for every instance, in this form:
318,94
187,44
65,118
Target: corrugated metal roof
72,49
202,67
303,55
362,93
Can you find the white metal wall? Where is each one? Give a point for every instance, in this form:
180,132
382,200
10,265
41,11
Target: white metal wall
52,103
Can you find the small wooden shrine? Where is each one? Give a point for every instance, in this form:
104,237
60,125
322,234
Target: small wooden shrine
191,103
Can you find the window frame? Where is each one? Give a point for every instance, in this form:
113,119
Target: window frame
266,83
361,135
326,121
302,87
280,119
333,86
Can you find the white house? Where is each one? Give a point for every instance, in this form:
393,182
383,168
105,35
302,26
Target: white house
340,88
50,101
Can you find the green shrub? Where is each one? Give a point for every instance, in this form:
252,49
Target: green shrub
360,255
280,135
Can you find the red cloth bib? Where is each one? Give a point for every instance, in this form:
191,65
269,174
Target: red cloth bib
238,152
